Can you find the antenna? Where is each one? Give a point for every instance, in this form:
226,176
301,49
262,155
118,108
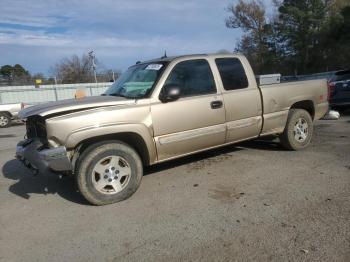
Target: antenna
164,56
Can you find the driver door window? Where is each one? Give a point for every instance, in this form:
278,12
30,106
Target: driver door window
194,78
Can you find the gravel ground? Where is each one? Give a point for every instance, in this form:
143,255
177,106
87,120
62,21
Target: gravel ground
249,202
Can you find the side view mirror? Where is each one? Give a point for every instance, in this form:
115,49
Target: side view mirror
170,93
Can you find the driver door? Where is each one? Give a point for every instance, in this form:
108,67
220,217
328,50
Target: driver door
196,120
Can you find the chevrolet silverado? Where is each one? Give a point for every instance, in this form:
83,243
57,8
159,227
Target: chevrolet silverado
161,110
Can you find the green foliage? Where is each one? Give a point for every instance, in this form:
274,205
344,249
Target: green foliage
336,40
14,74
17,70
305,36
6,71
18,75
69,70
300,25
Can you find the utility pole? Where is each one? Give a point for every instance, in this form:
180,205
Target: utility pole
92,57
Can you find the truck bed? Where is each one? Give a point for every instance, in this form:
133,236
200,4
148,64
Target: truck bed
279,98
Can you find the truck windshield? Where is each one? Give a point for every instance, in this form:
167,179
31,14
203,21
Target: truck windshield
138,81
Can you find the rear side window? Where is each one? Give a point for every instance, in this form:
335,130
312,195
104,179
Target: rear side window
194,77
232,73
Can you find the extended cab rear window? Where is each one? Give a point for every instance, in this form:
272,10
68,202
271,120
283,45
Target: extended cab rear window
232,73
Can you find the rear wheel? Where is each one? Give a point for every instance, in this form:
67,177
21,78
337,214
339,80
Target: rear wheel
5,120
298,131
109,172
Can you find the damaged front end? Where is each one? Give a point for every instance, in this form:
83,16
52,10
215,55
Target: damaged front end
36,153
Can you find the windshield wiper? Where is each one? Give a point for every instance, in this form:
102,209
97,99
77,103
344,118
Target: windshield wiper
119,95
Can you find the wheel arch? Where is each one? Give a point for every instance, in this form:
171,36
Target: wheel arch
132,139
307,105
6,113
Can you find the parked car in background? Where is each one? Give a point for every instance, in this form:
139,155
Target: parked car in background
339,87
9,112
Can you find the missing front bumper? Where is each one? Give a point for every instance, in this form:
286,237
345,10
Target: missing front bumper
41,160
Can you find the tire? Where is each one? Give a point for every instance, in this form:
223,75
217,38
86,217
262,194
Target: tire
123,178
5,120
298,131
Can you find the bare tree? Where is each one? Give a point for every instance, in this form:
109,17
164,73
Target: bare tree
108,75
250,17
74,70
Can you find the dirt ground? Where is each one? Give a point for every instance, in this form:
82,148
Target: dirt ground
249,202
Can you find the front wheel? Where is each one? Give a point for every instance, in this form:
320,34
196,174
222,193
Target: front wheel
108,172
298,131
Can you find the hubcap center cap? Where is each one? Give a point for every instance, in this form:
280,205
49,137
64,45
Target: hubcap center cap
111,174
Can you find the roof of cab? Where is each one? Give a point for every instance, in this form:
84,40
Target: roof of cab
171,58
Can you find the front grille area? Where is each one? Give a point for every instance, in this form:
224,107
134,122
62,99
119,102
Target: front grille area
36,128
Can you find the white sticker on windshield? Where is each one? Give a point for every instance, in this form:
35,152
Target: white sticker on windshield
154,67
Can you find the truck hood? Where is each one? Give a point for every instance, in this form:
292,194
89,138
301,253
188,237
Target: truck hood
73,105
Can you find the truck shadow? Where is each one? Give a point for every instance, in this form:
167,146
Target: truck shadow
268,144
17,123
27,184
345,113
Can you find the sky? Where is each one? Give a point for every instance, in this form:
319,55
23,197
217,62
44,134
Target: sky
38,34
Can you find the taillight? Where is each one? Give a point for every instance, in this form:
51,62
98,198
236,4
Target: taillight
330,90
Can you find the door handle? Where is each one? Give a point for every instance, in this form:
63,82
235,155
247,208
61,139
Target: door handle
216,104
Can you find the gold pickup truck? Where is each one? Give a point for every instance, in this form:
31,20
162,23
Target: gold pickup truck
160,110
